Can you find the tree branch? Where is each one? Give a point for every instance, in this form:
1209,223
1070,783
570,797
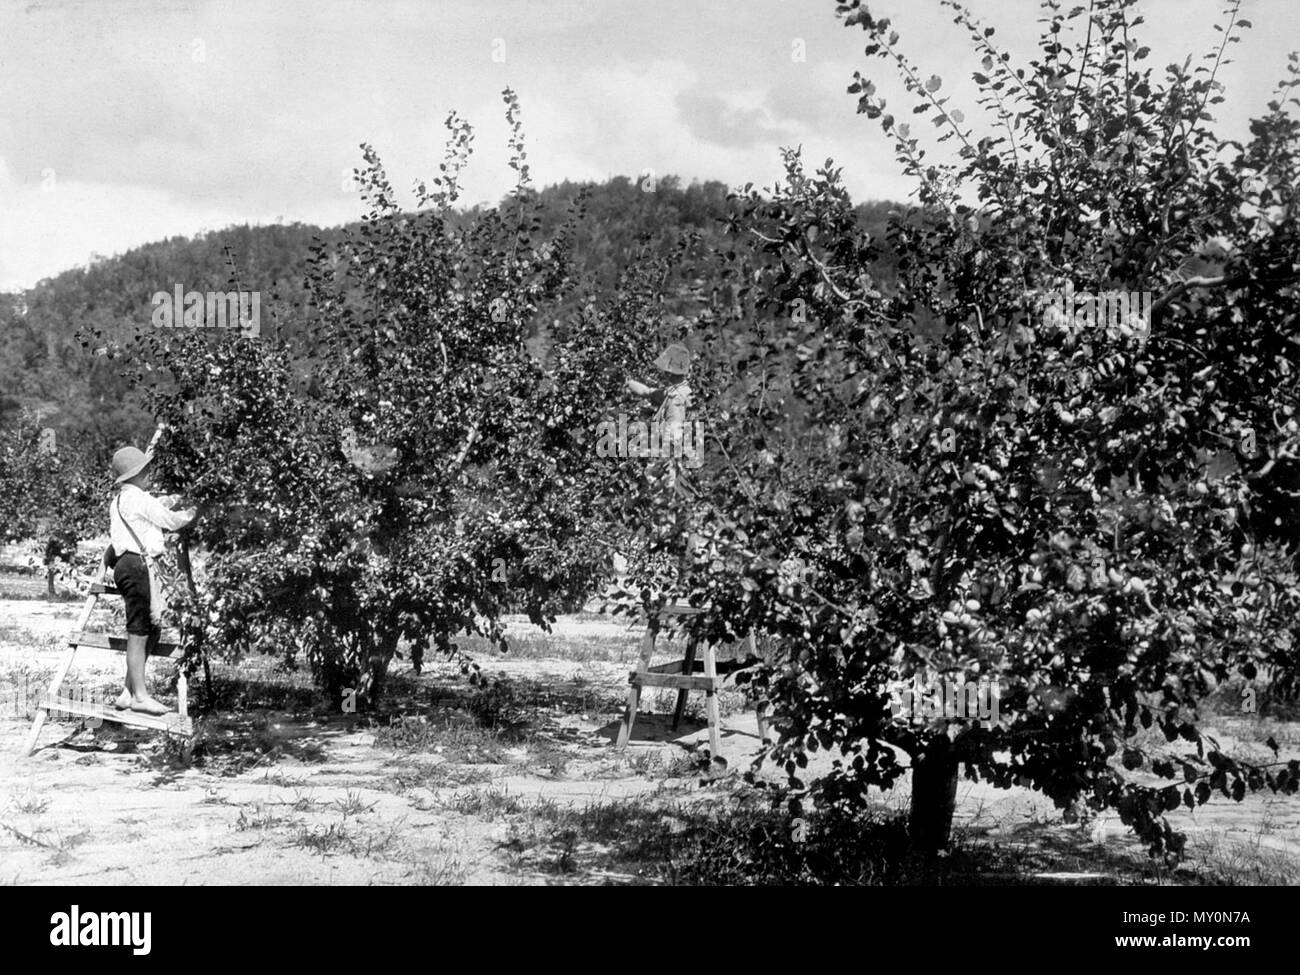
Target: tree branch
469,442
1220,281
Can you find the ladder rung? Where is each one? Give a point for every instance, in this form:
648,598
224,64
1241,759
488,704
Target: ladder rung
681,609
171,721
108,641
674,667
724,667
104,589
645,678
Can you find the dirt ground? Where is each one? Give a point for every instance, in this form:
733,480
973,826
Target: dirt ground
284,791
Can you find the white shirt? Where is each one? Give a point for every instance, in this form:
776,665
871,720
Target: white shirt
148,516
671,413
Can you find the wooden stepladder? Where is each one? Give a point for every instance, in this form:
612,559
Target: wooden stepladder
176,723
688,674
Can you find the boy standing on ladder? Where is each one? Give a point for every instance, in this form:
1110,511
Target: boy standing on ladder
141,569
672,398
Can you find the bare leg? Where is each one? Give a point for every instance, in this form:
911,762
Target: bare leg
137,652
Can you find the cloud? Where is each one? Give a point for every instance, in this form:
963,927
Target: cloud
712,118
55,224
162,120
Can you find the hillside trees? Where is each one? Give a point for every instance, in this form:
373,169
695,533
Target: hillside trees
51,488
431,467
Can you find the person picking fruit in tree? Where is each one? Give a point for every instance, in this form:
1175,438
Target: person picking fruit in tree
672,398
143,570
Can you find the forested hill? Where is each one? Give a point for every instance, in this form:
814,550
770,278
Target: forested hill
47,369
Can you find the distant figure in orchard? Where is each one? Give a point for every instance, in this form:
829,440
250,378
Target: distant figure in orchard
671,398
144,571
682,446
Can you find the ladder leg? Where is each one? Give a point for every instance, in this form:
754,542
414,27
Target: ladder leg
634,692
41,711
60,673
760,704
625,729
711,700
688,668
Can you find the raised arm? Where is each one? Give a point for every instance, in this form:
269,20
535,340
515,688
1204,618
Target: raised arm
164,517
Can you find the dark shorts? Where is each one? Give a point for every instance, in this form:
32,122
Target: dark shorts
132,581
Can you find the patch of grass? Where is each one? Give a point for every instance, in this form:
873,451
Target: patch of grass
1248,862
656,764
353,805
497,706
259,684
376,844
13,633
581,648
279,779
261,818
407,732
64,845
324,840
1233,699
444,871
486,804
232,747
305,803
473,746
437,775
337,838
748,840
548,757
457,740
60,848
31,805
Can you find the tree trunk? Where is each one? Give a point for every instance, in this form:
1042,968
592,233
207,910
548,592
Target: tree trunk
49,582
377,670
376,673
934,796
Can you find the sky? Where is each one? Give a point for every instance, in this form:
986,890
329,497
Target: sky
124,121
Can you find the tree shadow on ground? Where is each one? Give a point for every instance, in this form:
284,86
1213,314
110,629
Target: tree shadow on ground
1057,855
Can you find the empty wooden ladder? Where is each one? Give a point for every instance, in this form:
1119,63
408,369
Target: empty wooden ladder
686,675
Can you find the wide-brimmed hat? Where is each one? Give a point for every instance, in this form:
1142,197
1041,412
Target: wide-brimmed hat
675,359
128,462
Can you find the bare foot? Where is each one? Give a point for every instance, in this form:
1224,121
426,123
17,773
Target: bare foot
147,705
123,701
